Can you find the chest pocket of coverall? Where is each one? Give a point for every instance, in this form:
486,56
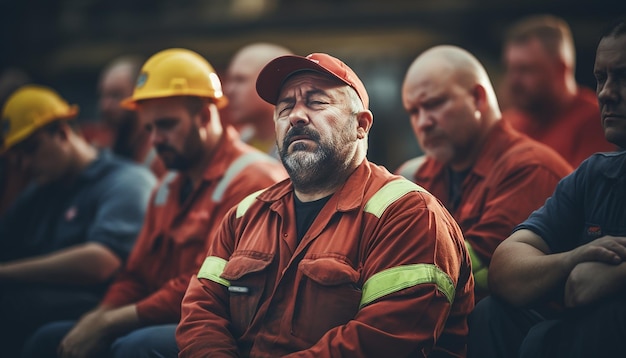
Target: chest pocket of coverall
328,296
246,273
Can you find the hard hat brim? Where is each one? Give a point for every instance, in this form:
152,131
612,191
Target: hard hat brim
130,103
24,134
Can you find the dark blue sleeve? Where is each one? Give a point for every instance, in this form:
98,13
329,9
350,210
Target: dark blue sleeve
560,220
12,222
122,207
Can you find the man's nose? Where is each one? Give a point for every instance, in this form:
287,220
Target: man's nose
298,116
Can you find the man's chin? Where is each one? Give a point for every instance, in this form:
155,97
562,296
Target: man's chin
299,151
616,137
441,156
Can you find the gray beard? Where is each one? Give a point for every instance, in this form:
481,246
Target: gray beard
313,171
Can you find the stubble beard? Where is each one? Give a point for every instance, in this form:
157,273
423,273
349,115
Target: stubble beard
185,160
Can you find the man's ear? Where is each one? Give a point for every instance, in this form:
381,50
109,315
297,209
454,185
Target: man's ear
204,115
64,130
364,120
561,66
480,97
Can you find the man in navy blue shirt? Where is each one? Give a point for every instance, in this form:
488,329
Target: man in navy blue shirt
68,234
559,282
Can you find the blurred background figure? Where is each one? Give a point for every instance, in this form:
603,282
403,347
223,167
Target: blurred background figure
66,236
119,128
252,116
12,181
546,102
558,279
179,93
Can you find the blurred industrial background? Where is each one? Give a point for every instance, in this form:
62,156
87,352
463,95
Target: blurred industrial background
65,43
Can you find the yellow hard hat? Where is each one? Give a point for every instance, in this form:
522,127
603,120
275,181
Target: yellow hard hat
176,72
29,108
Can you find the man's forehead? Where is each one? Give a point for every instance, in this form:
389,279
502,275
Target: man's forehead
612,50
160,104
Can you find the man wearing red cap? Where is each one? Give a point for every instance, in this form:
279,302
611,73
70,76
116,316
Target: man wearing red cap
343,258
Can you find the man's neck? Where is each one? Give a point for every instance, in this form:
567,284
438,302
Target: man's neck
196,172
306,197
83,155
472,153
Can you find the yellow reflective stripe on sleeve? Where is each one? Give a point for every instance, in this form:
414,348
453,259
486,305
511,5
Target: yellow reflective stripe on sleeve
234,169
245,204
212,269
479,269
388,194
401,277
481,278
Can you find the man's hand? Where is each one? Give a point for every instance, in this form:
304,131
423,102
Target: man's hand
601,273
94,333
87,338
607,249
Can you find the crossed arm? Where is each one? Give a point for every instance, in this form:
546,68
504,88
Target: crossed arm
523,270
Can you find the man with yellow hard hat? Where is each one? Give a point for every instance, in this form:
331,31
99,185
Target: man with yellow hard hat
178,94
71,230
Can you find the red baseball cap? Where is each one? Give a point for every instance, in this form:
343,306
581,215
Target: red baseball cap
275,73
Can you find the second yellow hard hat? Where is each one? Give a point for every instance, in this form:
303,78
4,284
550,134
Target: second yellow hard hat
176,72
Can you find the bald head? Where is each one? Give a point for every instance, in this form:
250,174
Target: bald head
454,64
117,81
245,104
257,55
451,103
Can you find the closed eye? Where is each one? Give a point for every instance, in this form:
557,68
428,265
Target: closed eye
434,102
165,124
284,109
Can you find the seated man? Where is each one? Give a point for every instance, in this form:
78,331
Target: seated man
69,233
118,127
540,85
572,251
12,180
342,259
140,310
489,176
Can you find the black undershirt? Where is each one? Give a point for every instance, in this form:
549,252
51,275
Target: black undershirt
306,212
185,190
455,187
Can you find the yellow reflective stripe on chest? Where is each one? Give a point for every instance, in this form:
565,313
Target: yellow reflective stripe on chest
212,269
401,277
388,194
245,204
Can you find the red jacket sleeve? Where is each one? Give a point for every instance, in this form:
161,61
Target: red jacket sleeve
509,202
204,329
